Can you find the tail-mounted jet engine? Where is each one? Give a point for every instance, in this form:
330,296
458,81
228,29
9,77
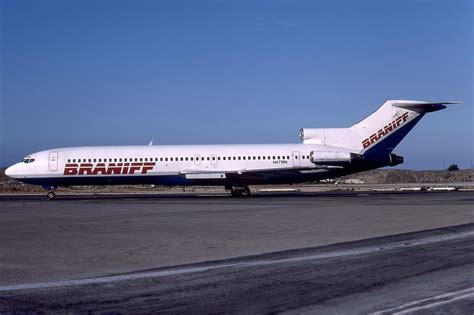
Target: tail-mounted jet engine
395,159
328,159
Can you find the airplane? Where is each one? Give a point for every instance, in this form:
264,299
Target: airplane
324,153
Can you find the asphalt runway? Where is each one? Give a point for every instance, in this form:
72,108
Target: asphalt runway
305,253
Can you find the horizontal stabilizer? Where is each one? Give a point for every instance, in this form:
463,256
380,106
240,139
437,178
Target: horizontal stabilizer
423,107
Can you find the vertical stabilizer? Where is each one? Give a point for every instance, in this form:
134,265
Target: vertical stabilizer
380,132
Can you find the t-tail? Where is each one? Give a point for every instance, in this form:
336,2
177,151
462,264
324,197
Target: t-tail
376,136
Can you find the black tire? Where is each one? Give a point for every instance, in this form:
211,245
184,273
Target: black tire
245,192
51,195
240,192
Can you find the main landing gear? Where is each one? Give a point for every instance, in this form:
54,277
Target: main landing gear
240,191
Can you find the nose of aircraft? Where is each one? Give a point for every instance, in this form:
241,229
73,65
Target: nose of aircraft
10,171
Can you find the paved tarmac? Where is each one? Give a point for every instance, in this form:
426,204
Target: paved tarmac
174,253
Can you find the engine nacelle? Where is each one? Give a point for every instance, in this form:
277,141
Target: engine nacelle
315,134
331,158
395,159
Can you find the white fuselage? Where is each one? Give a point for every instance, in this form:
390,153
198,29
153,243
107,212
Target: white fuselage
173,165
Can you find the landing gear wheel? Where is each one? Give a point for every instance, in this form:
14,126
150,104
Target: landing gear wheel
240,191
245,192
51,195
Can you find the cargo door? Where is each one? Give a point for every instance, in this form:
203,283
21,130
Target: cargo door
53,161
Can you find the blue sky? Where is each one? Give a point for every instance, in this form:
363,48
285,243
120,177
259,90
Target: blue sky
187,72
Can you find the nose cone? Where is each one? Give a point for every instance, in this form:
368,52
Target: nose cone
10,171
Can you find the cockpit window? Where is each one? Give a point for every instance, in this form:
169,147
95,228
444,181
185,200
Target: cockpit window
28,159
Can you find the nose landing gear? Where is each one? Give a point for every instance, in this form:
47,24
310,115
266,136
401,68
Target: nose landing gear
51,195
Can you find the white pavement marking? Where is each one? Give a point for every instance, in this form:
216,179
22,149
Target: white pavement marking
254,263
428,303
24,204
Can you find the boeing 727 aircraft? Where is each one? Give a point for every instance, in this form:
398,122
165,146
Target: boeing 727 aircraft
323,153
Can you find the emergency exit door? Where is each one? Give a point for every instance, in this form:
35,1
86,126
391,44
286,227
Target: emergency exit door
296,159
213,160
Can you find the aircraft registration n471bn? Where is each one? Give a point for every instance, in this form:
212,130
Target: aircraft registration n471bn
323,153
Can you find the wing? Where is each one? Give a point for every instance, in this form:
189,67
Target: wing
248,174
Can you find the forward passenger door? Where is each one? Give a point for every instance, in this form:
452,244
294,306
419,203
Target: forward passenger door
53,161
